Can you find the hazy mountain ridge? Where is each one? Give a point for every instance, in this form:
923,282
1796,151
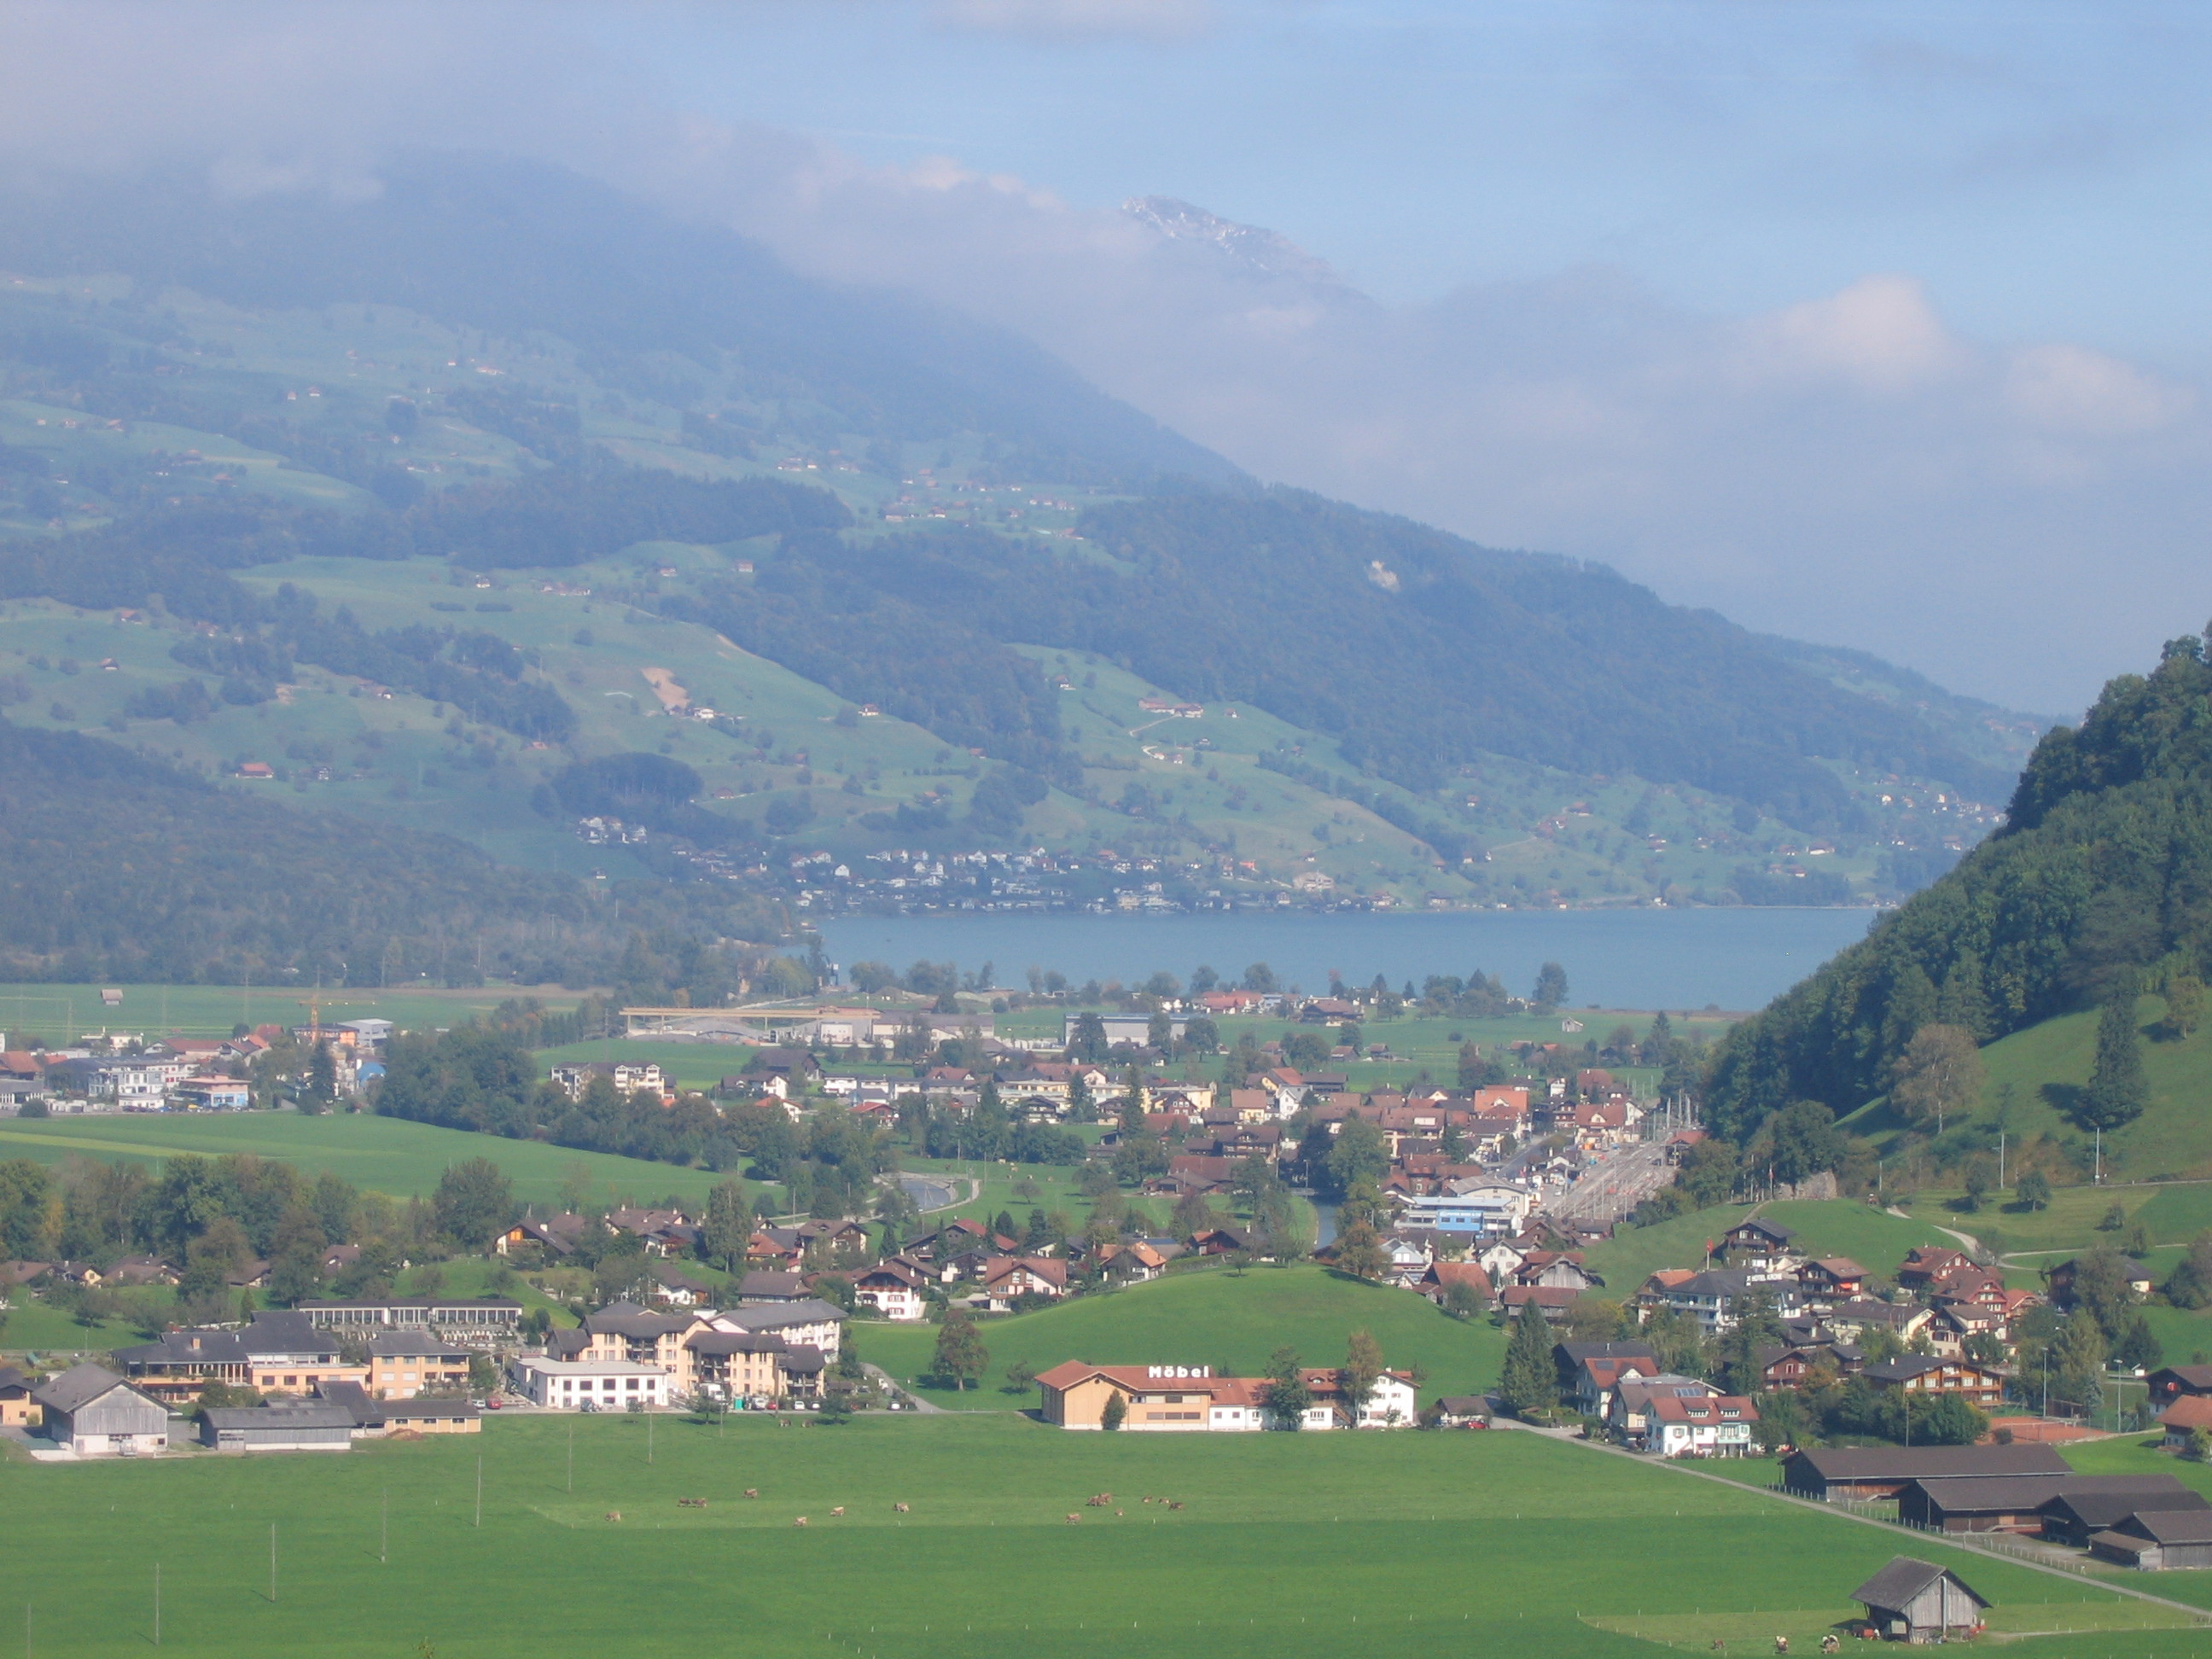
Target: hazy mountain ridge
572,374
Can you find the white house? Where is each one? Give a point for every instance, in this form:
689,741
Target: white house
894,1290
1716,1426
604,1385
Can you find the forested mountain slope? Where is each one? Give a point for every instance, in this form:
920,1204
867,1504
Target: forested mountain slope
497,376
116,867
2099,881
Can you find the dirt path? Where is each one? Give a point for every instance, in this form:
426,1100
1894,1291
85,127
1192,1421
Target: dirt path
666,687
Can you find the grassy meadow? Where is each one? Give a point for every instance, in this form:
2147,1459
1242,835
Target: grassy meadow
385,1154
1283,1546
57,1014
1209,1316
1875,1240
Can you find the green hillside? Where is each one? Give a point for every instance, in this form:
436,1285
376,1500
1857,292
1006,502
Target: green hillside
2092,894
1211,1317
538,489
2033,1080
1875,1239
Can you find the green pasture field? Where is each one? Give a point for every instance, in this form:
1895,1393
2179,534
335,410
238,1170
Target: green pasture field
2031,1075
385,1154
2172,1212
1282,1547
697,1066
57,1014
1876,1240
1210,1317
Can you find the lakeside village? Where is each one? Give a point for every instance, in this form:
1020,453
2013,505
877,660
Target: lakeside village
1489,1201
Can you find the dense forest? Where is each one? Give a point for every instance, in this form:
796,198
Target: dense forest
2101,876
116,867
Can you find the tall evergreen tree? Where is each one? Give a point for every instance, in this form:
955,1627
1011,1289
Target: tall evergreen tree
2118,1092
1530,1381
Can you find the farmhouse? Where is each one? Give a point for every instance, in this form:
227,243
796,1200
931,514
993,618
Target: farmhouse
1589,1371
1921,1374
1912,1601
893,1289
92,1412
1717,1426
2182,1419
2171,1382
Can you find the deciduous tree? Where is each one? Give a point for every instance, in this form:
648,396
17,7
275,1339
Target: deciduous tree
1938,1076
960,1355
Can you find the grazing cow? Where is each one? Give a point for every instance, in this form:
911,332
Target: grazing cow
898,1509
753,1491
1073,1518
840,1509
614,1515
800,1521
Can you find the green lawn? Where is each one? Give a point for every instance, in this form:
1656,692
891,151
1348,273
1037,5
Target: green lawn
2032,1073
385,1154
54,1014
1876,1240
1212,1317
1283,1546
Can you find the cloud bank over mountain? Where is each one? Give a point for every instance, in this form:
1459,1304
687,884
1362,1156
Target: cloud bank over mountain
2017,519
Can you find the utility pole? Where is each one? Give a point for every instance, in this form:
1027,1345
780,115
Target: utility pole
157,1604
2001,1172
572,1457
479,1490
272,1564
383,1530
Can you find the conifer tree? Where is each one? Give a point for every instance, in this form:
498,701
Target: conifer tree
1530,1381
2117,1092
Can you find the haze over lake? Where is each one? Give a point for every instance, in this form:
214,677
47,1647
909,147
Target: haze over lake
1645,958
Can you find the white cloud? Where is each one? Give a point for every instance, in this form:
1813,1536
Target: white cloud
2067,388
1880,334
